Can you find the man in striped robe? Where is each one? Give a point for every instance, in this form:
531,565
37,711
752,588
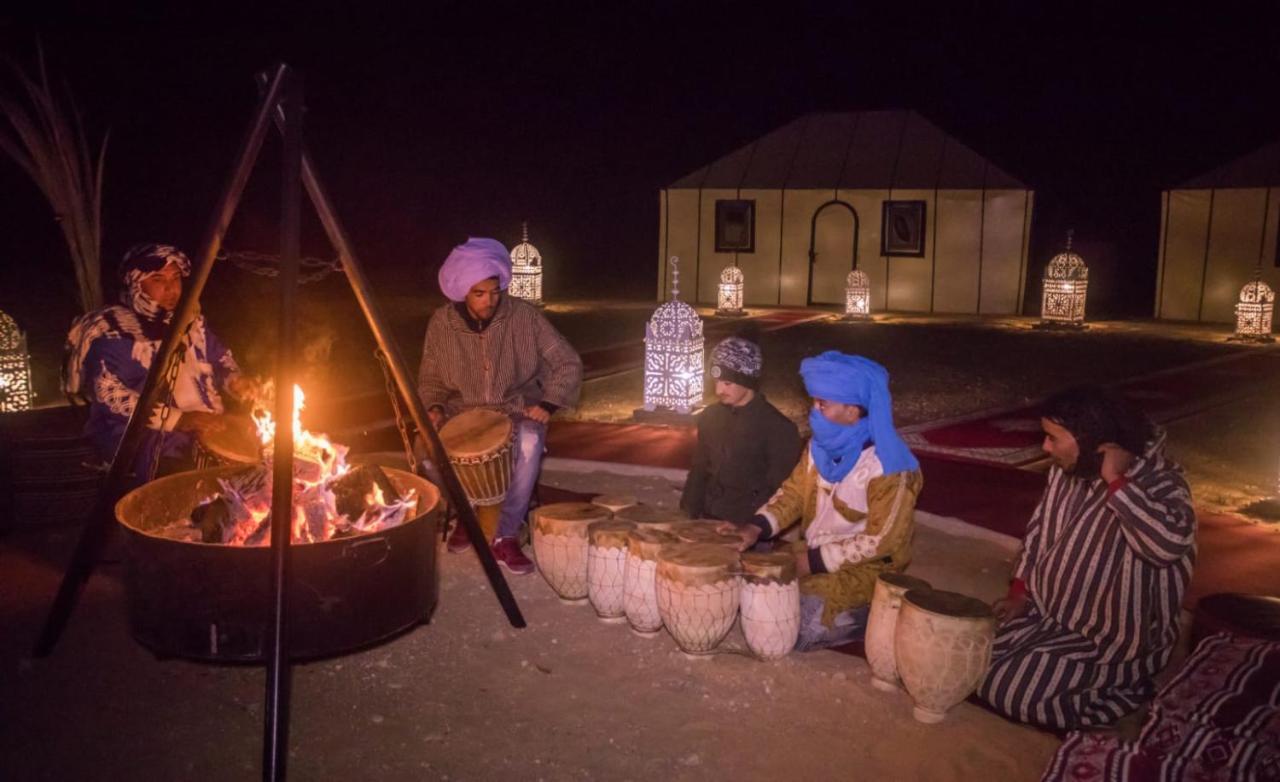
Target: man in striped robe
1092,612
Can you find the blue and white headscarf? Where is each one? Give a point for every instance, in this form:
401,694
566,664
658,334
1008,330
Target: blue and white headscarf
853,380
140,262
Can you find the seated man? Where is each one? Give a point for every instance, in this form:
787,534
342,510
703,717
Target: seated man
853,492
486,349
745,446
109,353
1092,613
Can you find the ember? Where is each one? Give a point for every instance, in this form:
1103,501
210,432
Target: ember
330,499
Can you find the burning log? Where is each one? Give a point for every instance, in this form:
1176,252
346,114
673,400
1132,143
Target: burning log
351,492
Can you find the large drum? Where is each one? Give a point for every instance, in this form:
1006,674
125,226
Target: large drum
705,532
943,646
697,585
607,568
560,545
615,502
640,598
883,623
770,604
478,443
236,442
652,517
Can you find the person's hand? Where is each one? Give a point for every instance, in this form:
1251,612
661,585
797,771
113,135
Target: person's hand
802,561
537,413
1007,608
749,533
1115,461
201,422
435,414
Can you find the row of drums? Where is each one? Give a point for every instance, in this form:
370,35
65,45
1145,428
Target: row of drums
654,568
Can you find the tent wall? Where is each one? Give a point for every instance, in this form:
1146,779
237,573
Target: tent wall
1210,241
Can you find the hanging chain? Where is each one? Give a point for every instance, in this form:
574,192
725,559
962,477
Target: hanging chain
401,424
267,265
170,380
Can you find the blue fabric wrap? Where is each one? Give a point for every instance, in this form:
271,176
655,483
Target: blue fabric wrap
853,380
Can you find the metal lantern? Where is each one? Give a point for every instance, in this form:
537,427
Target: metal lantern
731,284
1066,283
1253,312
673,354
526,270
15,367
857,295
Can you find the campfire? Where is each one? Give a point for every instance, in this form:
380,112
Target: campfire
331,499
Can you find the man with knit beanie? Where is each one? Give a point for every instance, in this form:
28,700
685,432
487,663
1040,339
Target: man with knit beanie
746,448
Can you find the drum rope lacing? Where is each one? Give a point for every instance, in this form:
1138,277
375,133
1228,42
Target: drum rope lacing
268,265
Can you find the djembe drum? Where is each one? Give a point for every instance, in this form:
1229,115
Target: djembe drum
702,531
770,604
883,624
943,646
560,545
697,586
651,517
640,598
614,502
607,568
235,442
479,445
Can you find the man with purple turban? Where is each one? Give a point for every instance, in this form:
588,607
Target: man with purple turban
853,494
489,350
109,353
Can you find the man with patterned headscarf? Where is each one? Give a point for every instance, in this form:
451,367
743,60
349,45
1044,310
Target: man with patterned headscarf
746,448
488,350
109,353
853,494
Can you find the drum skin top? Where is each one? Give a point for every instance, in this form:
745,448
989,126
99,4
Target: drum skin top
769,566
475,432
568,518
650,514
618,501
699,557
646,543
904,582
952,604
704,532
610,533
236,441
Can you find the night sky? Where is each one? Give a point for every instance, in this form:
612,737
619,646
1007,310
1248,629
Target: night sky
453,122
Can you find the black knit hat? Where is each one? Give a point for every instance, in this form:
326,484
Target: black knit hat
737,360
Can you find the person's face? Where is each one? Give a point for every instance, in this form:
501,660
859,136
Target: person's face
482,299
164,287
1060,444
838,412
732,394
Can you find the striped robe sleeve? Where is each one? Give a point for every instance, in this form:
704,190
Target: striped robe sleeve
432,389
1156,516
562,366
1031,541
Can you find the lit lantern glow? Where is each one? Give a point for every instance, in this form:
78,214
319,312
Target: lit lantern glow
673,354
1066,283
526,270
15,367
731,285
857,295
1253,312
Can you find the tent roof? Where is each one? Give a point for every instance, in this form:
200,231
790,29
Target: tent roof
853,150
1259,168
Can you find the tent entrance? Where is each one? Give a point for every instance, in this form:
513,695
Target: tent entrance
833,251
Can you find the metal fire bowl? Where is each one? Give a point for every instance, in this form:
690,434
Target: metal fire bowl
212,602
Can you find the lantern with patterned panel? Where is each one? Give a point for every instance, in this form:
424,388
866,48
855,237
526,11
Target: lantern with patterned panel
673,354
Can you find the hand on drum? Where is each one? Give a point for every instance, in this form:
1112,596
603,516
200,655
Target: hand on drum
1007,608
435,414
749,533
197,421
537,413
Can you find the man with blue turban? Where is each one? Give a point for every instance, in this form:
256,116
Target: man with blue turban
853,494
485,349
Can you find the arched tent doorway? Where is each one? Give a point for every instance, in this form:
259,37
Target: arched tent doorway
833,251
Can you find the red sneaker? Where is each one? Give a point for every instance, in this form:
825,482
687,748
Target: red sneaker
507,552
459,541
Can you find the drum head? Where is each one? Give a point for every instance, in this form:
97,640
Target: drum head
651,514
237,441
938,601
769,566
475,432
904,582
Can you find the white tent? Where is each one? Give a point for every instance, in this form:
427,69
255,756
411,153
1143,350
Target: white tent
1213,231
937,227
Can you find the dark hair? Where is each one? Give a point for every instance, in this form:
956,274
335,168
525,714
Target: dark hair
1097,415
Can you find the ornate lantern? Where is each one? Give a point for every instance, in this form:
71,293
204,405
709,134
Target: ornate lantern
15,367
1066,283
731,284
857,296
526,270
673,354
1253,312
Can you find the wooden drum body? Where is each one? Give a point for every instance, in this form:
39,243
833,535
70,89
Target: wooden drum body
770,604
882,624
606,568
640,597
943,644
236,442
478,443
560,545
697,586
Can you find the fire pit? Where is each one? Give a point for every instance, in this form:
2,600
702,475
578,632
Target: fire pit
210,601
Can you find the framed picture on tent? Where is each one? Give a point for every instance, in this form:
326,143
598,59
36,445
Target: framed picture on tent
902,228
735,226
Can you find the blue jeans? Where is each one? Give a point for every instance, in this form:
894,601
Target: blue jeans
846,626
